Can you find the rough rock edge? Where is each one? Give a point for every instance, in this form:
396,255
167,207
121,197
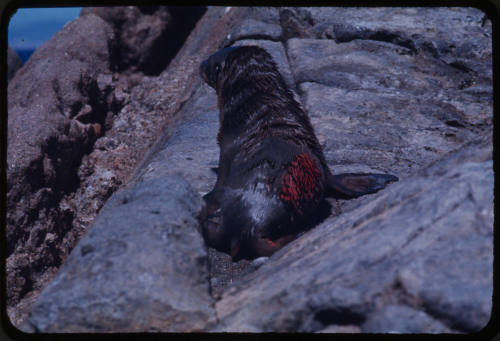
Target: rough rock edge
159,212
76,134
96,182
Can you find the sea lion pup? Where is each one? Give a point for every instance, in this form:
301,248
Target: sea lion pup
272,174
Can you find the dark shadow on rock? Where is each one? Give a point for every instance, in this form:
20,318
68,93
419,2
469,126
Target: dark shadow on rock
323,212
148,37
340,317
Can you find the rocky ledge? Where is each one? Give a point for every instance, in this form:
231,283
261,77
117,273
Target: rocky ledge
405,91
75,135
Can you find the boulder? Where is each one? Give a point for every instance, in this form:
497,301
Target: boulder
56,112
386,104
140,267
74,136
423,30
403,319
129,130
352,269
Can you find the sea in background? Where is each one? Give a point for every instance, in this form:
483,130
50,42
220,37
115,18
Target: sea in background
29,28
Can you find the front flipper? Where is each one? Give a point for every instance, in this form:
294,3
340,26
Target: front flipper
266,247
213,232
258,247
212,202
352,185
211,223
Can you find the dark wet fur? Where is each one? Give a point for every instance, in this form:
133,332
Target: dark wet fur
264,135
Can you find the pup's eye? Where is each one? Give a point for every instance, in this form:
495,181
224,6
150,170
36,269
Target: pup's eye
217,68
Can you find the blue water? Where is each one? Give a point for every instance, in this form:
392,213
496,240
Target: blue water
31,27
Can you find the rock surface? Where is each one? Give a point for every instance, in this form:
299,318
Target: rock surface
56,112
120,275
402,319
349,270
405,91
75,133
14,63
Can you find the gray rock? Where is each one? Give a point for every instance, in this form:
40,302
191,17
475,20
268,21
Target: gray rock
387,109
402,319
296,23
453,34
56,111
259,261
334,329
191,149
254,29
349,267
257,23
14,63
64,100
140,267
136,118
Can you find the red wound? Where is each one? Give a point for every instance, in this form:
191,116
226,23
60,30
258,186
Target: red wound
270,242
301,181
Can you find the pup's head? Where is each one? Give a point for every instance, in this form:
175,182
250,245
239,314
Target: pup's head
233,62
211,68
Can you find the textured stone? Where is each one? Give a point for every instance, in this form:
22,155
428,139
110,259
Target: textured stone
255,29
67,99
130,129
457,35
140,267
46,141
402,319
395,102
349,267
